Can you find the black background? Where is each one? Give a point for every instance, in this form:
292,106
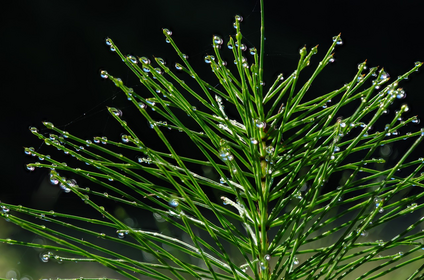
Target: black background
51,53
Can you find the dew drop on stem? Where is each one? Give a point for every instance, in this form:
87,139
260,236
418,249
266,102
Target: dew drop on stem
378,202
144,60
400,94
167,31
338,40
125,138
132,59
239,18
217,40
209,58
173,202
4,209
30,167
253,141
260,124
44,257
104,74
116,112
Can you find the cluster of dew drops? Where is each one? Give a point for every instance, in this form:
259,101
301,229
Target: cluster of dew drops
224,152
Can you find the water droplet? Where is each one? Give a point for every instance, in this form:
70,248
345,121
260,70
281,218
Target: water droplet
167,31
160,60
104,74
150,102
225,154
378,202
115,111
253,141
45,257
178,66
132,59
298,195
384,75
217,40
239,18
252,51
64,188
108,42
30,167
400,94
412,207
4,209
125,138
338,40
380,242
54,180
144,60
28,151
142,105
260,124
269,150
218,99
104,140
209,58
229,45
173,202
88,143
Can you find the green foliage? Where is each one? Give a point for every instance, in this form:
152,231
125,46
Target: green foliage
299,187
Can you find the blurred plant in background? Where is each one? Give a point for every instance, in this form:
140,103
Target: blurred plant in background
269,184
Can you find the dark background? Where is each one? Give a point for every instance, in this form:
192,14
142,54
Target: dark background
51,53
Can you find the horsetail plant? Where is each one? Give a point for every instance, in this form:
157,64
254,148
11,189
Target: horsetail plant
301,188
